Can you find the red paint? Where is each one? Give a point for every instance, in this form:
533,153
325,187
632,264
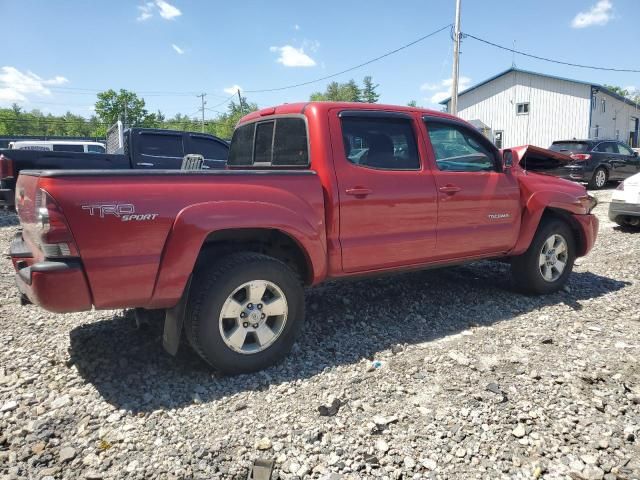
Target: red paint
348,220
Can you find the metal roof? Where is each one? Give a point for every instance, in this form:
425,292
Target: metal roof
555,77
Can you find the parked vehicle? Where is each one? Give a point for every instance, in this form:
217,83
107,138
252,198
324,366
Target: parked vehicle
596,161
58,146
624,208
226,253
144,148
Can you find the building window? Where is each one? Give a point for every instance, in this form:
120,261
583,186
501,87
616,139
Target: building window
594,102
603,106
497,138
522,108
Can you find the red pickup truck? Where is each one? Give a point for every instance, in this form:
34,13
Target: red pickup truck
312,191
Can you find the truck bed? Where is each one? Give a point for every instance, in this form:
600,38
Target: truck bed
123,220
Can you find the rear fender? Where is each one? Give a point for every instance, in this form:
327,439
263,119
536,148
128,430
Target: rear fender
534,209
195,223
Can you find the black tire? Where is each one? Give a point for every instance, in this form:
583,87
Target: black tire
526,271
210,289
596,182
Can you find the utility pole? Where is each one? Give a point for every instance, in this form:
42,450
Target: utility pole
240,100
456,61
201,96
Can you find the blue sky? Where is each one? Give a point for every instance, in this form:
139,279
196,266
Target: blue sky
56,54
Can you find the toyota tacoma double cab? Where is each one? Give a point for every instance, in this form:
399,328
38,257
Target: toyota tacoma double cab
312,191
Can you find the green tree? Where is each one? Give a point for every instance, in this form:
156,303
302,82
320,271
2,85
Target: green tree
412,103
623,92
369,93
339,92
112,105
225,123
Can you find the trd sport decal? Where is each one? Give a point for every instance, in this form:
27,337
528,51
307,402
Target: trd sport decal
125,211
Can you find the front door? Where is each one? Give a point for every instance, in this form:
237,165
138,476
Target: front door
630,163
479,204
388,200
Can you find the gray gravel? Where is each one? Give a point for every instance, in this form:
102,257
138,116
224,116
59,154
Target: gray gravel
440,374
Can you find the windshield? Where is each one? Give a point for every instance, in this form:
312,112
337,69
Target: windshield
569,147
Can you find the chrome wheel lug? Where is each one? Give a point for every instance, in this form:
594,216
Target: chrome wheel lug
259,306
250,306
262,316
245,324
255,325
242,314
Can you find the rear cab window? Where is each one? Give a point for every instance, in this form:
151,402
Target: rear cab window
277,142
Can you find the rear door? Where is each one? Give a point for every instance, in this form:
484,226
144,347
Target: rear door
157,149
478,203
388,200
215,152
607,155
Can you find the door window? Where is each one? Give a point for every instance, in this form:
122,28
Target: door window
459,150
209,148
95,149
380,143
624,150
161,145
607,147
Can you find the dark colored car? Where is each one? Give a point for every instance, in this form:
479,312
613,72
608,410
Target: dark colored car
596,162
144,148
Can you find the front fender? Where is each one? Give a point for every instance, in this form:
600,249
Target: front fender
195,223
534,208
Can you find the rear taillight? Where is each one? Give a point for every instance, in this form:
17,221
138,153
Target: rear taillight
580,157
6,167
55,238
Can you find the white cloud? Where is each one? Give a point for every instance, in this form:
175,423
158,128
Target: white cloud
233,89
15,86
293,57
165,10
444,88
178,50
599,14
146,11
296,27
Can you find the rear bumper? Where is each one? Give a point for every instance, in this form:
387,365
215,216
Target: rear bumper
619,209
589,228
56,285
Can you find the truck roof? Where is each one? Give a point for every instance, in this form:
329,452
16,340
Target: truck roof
293,108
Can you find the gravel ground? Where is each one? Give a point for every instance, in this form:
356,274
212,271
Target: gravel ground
440,374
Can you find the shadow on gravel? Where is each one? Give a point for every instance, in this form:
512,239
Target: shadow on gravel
346,322
8,219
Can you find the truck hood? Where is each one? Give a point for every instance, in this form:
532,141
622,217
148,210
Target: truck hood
538,159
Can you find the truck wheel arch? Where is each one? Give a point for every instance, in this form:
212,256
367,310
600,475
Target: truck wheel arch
546,204
198,228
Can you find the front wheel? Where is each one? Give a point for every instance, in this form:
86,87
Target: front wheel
547,264
244,312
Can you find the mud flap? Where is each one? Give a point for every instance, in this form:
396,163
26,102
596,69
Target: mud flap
173,323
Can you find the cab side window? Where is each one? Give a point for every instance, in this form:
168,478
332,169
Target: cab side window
458,149
380,143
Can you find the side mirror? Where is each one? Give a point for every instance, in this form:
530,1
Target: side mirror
507,159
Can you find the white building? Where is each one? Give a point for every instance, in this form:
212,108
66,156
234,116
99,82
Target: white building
521,107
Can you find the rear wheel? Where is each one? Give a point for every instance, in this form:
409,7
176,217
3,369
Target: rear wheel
244,312
599,179
547,264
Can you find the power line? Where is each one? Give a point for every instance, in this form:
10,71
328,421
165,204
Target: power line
368,62
551,60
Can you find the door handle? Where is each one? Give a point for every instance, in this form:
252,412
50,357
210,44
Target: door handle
358,191
450,189
145,164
